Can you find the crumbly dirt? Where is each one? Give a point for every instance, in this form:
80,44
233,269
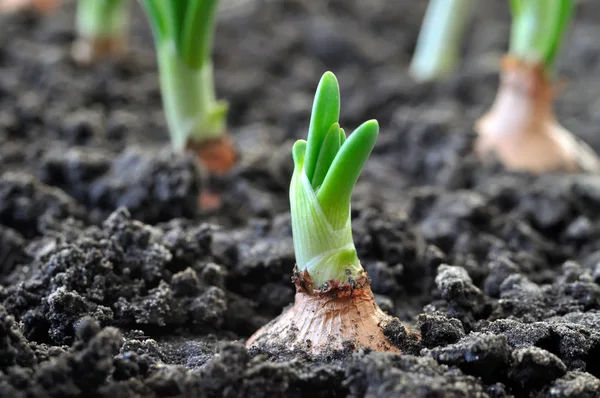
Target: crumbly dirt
114,284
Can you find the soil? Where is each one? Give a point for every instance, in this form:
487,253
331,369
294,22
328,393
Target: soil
114,283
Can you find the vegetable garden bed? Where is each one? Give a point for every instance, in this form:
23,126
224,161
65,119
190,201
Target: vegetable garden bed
113,282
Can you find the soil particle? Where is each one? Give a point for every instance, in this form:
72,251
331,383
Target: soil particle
451,213
575,384
483,355
153,185
170,381
499,270
118,275
392,239
244,315
462,299
384,279
64,308
580,229
572,292
190,244
81,371
385,303
270,260
225,370
270,379
128,365
577,283
587,191
431,153
531,302
534,367
209,309
521,335
185,283
401,265
233,373
408,341
575,343
146,349
12,250
572,337
266,256
73,169
24,202
389,375
438,330
213,275
275,295
157,308
498,390
14,348
79,128
547,204
243,200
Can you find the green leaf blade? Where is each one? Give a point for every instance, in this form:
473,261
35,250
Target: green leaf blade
298,152
516,7
566,10
157,16
329,149
325,112
342,137
197,31
176,17
336,190
538,28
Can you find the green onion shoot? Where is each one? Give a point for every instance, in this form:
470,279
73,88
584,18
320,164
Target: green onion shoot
327,167
102,27
184,32
332,289
521,129
437,53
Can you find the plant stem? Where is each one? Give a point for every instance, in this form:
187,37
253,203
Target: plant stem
438,46
102,19
196,37
325,252
191,110
537,29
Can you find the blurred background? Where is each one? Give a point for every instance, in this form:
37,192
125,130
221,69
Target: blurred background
269,55
268,58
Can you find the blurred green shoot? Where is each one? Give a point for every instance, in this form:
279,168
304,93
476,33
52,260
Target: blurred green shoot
437,53
183,32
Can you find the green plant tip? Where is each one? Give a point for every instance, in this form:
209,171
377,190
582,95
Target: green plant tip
326,168
325,112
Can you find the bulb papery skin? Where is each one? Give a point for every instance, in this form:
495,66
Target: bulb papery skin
521,129
324,252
